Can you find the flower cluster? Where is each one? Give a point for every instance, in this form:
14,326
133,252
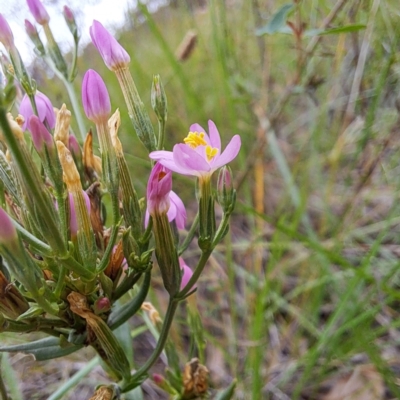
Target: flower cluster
70,263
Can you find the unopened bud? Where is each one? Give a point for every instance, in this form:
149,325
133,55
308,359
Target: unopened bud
159,99
102,305
33,34
226,194
41,137
38,11
71,22
8,233
6,36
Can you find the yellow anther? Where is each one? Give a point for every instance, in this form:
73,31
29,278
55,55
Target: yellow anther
195,139
211,152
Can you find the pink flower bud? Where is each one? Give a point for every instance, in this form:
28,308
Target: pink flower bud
44,108
102,305
73,146
68,15
73,223
186,274
38,11
40,135
8,233
95,98
6,36
158,190
113,54
30,29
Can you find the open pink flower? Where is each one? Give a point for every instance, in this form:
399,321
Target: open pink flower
44,108
200,154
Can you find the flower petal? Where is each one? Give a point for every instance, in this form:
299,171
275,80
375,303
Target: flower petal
230,152
187,159
215,139
180,210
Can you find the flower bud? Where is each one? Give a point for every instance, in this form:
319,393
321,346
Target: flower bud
102,305
6,35
44,109
95,98
73,146
226,194
8,233
71,22
158,190
34,36
113,54
38,11
40,135
159,99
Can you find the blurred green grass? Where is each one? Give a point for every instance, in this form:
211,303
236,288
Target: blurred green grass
305,287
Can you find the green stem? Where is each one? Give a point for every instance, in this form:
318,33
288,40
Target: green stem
41,247
8,374
189,237
72,96
76,108
133,381
161,134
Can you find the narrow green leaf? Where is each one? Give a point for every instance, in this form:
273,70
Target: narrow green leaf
334,31
277,21
43,349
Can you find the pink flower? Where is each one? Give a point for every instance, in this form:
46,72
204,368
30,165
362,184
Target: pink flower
73,146
8,233
38,11
200,154
113,54
158,190
176,211
6,35
186,274
95,98
40,135
44,108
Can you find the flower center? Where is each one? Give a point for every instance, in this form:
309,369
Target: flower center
195,139
211,152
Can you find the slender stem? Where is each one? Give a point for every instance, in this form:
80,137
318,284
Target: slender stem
190,235
199,269
172,306
72,96
41,247
161,134
76,108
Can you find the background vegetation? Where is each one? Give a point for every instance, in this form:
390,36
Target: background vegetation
302,300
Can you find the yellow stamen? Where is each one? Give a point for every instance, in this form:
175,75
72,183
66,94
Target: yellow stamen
211,152
195,139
